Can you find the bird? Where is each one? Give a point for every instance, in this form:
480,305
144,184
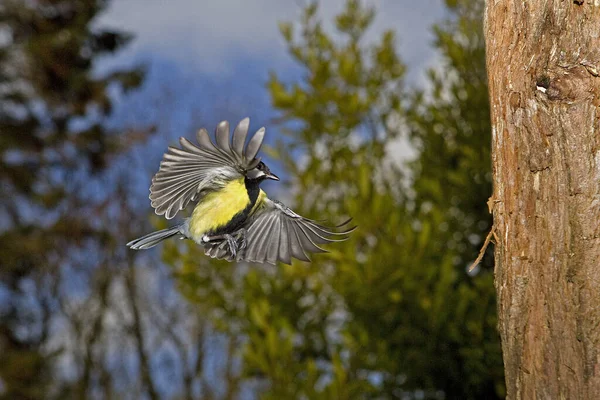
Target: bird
233,218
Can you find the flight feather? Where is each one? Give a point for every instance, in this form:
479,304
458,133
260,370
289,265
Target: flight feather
189,170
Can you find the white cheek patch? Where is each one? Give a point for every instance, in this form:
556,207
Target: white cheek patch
255,173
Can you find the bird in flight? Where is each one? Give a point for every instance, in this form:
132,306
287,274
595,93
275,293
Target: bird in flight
233,218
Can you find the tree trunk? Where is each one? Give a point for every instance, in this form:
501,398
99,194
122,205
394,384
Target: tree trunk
543,60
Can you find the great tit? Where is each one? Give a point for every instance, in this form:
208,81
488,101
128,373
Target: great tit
233,218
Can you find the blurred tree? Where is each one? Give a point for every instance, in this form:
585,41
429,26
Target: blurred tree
81,316
450,127
53,147
391,312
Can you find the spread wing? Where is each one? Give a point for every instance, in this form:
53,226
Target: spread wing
276,233
184,172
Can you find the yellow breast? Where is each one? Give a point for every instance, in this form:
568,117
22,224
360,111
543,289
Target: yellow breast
218,208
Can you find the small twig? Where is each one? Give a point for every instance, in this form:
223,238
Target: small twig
483,248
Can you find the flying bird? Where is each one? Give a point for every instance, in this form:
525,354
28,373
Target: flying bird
233,218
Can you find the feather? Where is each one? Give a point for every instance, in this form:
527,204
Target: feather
239,138
284,243
254,145
204,141
186,170
276,233
222,135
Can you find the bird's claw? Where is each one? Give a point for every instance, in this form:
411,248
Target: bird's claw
233,246
241,239
236,241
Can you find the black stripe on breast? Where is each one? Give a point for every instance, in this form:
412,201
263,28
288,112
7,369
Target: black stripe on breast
253,189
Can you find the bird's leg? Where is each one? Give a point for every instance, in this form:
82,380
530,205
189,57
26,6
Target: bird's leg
240,236
233,247
231,241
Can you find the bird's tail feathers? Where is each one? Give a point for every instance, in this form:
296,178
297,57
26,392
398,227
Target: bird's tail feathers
154,238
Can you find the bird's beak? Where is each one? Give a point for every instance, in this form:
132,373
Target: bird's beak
272,176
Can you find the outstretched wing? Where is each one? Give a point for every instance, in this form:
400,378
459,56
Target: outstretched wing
185,171
276,233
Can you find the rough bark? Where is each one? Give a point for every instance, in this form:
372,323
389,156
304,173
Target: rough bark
543,60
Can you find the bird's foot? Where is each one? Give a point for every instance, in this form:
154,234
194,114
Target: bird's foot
232,243
236,242
240,236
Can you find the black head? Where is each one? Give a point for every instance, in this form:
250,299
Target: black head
260,173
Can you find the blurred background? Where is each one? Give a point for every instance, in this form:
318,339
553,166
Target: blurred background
374,109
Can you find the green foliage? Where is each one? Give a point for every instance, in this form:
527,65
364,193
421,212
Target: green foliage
391,311
452,178
52,144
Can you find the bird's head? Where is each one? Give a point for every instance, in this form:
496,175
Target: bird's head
260,173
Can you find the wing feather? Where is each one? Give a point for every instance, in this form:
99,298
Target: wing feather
204,141
171,190
284,243
306,240
272,244
255,144
222,135
186,171
239,138
256,252
295,245
319,235
276,233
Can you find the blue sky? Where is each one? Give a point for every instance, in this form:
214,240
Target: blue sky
213,37
214,56
209,60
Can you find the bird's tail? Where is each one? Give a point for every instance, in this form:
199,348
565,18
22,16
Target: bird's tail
154,238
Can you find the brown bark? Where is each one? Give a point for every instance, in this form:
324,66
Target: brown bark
543,60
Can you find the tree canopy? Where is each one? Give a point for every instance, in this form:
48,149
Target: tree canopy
391,312
53,146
